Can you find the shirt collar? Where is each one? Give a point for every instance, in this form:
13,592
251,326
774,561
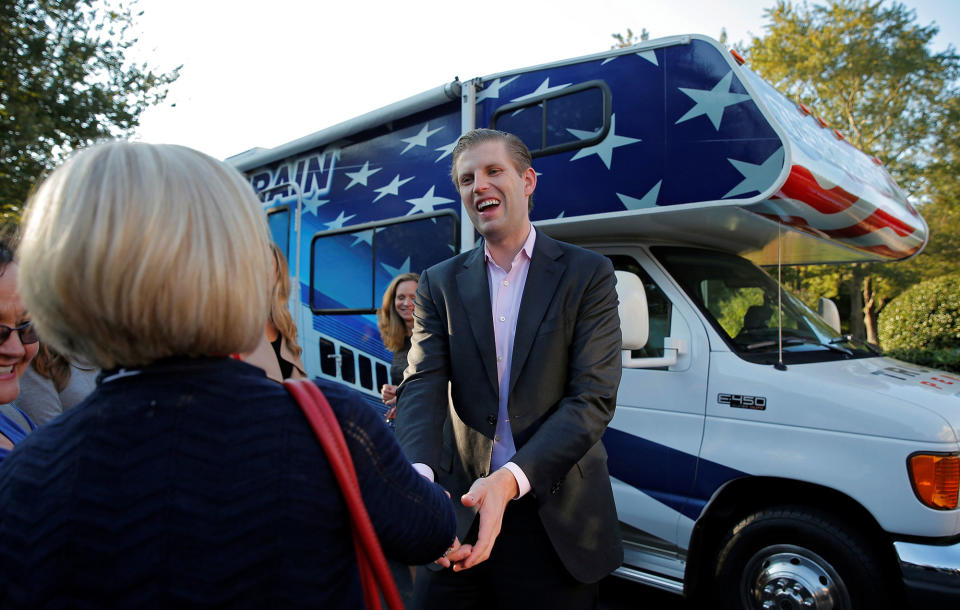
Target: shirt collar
526,248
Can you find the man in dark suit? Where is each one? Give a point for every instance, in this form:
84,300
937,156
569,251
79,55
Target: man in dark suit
512,380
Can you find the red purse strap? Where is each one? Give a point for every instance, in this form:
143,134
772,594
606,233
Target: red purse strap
375,576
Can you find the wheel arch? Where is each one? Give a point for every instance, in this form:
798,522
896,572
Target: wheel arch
747,495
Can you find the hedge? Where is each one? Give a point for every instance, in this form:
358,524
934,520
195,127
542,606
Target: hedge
922,325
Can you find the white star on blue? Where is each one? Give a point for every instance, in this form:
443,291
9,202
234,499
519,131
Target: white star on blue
492,90
757,178
713,102
426,203
395,271
603,149
420,139
647,201
339,221
361,176
393,188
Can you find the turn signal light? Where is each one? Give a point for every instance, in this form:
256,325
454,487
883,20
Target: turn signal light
936,479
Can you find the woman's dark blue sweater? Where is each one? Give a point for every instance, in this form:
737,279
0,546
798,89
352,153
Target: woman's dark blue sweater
199,483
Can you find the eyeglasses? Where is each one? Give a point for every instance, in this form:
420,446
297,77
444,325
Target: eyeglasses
28,334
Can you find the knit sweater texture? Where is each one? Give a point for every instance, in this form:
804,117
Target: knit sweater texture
199,484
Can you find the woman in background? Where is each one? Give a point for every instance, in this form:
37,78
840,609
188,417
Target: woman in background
18,345
278,352
53,383
187,478
395,320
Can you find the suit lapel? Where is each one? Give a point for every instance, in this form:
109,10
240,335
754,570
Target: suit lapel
474,290
543,277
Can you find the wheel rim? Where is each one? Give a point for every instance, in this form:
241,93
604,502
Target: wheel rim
787,577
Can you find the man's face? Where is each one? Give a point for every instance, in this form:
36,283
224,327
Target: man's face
493,192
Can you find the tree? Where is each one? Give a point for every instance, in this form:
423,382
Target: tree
866,68
629,39
65,81
942,210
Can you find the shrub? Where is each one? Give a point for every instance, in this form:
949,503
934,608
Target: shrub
922,325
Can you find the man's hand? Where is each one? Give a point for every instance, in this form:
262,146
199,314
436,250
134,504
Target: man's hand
491,495
456,552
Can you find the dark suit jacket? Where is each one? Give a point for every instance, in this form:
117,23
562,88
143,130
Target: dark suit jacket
563,387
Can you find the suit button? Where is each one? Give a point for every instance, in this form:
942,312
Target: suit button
556,488
491,419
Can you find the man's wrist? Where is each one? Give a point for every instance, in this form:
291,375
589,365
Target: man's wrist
519,479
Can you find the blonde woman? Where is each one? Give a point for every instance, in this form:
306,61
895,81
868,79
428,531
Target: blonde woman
395,320
278,352
187,478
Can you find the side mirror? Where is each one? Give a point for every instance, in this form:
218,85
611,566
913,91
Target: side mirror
635,326
634,318
829,312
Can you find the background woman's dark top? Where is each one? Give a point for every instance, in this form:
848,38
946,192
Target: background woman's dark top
399,362
200,483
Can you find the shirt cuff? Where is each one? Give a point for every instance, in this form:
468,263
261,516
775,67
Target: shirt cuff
424,470
523,485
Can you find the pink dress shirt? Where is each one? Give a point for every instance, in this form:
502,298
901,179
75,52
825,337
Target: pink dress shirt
506,292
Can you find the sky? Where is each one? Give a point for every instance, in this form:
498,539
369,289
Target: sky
259,74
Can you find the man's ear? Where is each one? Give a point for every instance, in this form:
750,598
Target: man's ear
529,181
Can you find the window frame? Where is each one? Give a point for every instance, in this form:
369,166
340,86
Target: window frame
544,150
368,226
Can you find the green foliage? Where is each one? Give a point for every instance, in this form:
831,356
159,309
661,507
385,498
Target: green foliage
629,39
65,81
942,195
732,305
867,69
922,325
943,359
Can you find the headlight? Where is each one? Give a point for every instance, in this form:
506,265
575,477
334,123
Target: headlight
935,479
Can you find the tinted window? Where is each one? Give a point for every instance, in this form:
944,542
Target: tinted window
382,376
350,269
567,119
328,358
279,222
347,371
365,367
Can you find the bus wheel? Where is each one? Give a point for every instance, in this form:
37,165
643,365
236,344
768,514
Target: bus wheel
796,558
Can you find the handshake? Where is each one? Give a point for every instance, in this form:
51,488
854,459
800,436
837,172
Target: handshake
490,495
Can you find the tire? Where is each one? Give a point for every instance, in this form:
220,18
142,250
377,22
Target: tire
791,558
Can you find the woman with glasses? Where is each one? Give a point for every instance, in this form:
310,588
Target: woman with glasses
18,345
187,479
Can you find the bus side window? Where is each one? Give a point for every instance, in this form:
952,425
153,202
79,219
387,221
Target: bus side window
328,360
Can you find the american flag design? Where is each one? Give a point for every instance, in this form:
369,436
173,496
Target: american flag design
671,124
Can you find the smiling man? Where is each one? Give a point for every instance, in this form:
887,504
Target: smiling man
512,380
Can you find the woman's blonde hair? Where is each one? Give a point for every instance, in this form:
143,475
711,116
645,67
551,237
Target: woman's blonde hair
53,365
132,252
279,298
393,330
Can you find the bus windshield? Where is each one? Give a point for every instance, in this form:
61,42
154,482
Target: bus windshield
741,301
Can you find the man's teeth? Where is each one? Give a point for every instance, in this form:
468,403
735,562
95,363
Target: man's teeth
5,370
488,203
